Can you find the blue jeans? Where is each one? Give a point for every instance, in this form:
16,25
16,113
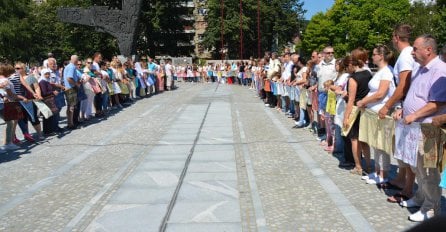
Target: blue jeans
105,100
292,111
282,98
339,141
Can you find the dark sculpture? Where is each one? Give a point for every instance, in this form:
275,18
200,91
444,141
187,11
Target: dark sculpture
121,24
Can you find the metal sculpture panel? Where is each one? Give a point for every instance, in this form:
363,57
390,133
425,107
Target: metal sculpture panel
121,24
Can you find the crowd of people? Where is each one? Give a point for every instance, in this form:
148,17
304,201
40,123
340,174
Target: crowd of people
86,88
393,108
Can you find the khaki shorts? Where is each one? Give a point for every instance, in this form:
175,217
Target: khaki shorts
71,95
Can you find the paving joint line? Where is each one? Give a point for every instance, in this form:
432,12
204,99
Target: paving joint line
257,202
347,209
172,202
21,197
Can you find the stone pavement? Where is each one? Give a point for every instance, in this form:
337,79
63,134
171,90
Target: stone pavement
204,157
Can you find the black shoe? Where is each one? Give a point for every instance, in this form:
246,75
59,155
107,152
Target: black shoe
345,164
72,127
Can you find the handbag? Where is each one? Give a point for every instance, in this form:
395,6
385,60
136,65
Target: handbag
44,109
95,86
51,103
13,111
59,99
81,94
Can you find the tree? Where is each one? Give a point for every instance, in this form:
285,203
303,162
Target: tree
15,36
279,19
354,23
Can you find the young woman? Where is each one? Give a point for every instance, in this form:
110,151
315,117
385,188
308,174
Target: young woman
381,89
357,90
341,143
31,90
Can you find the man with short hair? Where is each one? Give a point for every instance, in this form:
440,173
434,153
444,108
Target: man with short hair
327,71
402,72
71,83
45,62
55,82
286,79
426,98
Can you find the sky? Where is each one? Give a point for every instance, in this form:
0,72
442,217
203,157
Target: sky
314,6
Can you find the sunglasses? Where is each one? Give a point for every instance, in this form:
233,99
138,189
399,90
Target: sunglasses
18,68
329,53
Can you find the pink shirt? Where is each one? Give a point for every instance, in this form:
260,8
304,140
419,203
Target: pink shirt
428,84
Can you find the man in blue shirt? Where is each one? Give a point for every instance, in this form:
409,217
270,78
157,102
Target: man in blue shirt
152,69
71,82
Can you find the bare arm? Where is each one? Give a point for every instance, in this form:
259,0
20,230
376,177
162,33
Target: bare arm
439,120
429,109
352,88
380,94
400,92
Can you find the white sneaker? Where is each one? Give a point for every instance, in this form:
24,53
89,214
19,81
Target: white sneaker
369,176
11,146
419,216
376,180
409,203
266,104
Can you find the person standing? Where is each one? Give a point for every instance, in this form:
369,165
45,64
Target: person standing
426,98
403,69
71,83
327,71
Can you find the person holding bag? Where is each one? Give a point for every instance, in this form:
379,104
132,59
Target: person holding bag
48,93
357,89
27,85
7,94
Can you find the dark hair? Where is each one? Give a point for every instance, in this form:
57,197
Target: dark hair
343,64
403,31
96,54
302,60
359,57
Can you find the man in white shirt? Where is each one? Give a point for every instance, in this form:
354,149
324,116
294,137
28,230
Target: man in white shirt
404,67
169,71
285,78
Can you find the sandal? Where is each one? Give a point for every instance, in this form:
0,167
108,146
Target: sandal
397,198
356,171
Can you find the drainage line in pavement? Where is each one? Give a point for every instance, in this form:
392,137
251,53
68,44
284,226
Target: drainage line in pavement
182,176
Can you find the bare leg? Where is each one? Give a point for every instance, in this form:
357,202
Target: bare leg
356,155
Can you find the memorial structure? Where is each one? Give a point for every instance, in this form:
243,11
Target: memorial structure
121,24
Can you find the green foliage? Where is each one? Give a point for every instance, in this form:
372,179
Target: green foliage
354,23
279,18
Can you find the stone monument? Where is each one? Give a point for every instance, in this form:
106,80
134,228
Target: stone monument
121,24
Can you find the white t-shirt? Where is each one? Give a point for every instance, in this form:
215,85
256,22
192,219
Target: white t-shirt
327,71
169,69
300,72
404,62
286,74
384,74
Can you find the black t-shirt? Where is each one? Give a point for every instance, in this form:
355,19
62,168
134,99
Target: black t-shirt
242,68
362,79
